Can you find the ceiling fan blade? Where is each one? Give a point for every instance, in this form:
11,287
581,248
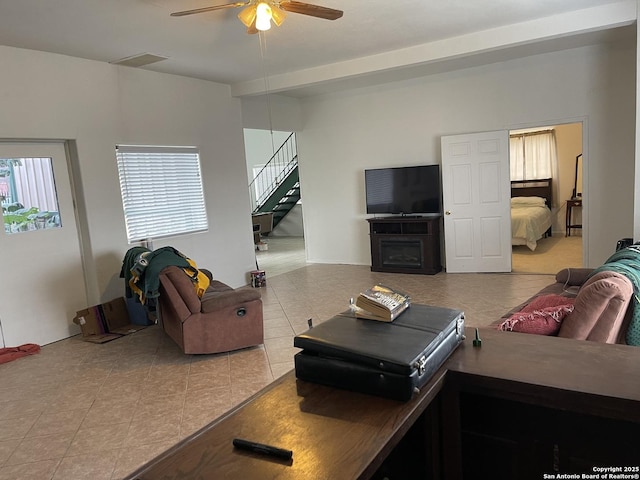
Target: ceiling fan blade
309,9
209,9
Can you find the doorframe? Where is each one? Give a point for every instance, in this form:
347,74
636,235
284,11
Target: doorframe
585,169
79,207
87,259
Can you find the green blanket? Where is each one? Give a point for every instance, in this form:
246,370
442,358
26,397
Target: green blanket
144,266
130,259
627,263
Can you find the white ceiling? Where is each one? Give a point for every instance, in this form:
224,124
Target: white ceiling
215,46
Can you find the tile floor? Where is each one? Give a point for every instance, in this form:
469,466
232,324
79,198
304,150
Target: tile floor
83,411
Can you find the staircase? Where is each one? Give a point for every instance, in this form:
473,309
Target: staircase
276,188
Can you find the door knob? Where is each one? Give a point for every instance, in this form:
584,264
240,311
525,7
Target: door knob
447,212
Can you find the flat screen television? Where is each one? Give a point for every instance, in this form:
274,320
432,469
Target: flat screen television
403,190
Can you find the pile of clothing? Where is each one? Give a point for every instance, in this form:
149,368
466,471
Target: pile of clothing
13,353
141,269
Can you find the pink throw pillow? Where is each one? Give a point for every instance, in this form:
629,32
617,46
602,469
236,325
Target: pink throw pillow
545,321
545,301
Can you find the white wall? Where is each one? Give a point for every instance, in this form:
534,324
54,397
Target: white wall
569,142
272,112
292,225
260,145
97,105
401,124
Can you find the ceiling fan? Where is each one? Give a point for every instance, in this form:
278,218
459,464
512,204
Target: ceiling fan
258,14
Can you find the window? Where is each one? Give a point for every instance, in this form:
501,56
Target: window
28,194
162,192
533,155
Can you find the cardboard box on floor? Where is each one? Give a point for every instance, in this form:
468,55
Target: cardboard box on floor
105,322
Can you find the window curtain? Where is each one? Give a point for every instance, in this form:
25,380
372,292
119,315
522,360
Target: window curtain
534,156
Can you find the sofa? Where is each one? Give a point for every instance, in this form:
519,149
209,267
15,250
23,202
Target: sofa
222,320
581,304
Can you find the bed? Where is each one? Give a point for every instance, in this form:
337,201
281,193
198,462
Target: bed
530,211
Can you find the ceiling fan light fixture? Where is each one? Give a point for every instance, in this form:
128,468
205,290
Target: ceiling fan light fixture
257,14
248,15
278,15
263,16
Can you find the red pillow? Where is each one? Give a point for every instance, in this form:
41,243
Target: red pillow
545,321
544,301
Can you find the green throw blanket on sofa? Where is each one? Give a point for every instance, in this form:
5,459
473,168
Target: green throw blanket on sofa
627,263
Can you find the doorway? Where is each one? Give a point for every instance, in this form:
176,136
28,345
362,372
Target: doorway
282,248
39,246
563,248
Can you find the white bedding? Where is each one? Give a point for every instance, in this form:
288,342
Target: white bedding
529,224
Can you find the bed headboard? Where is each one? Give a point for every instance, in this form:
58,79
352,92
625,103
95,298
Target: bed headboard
532,188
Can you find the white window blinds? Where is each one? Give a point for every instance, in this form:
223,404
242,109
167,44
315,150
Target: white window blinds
162,192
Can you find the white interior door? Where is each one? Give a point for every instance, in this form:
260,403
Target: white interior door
476,202
42,282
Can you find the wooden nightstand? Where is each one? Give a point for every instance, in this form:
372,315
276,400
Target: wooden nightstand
571,204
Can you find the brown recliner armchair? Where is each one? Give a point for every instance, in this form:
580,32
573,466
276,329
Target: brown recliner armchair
224,319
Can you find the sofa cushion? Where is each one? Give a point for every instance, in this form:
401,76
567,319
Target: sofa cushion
216,300
541,321
570,277
218,286
183,287
599,308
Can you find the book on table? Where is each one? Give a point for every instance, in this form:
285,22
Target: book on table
380,303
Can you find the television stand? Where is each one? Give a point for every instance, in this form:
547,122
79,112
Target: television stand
407,244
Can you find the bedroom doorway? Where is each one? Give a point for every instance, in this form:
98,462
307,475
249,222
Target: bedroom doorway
562,248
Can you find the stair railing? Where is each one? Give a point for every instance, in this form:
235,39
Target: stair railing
274,172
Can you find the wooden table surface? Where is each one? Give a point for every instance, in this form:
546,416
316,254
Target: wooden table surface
332,433
336,434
